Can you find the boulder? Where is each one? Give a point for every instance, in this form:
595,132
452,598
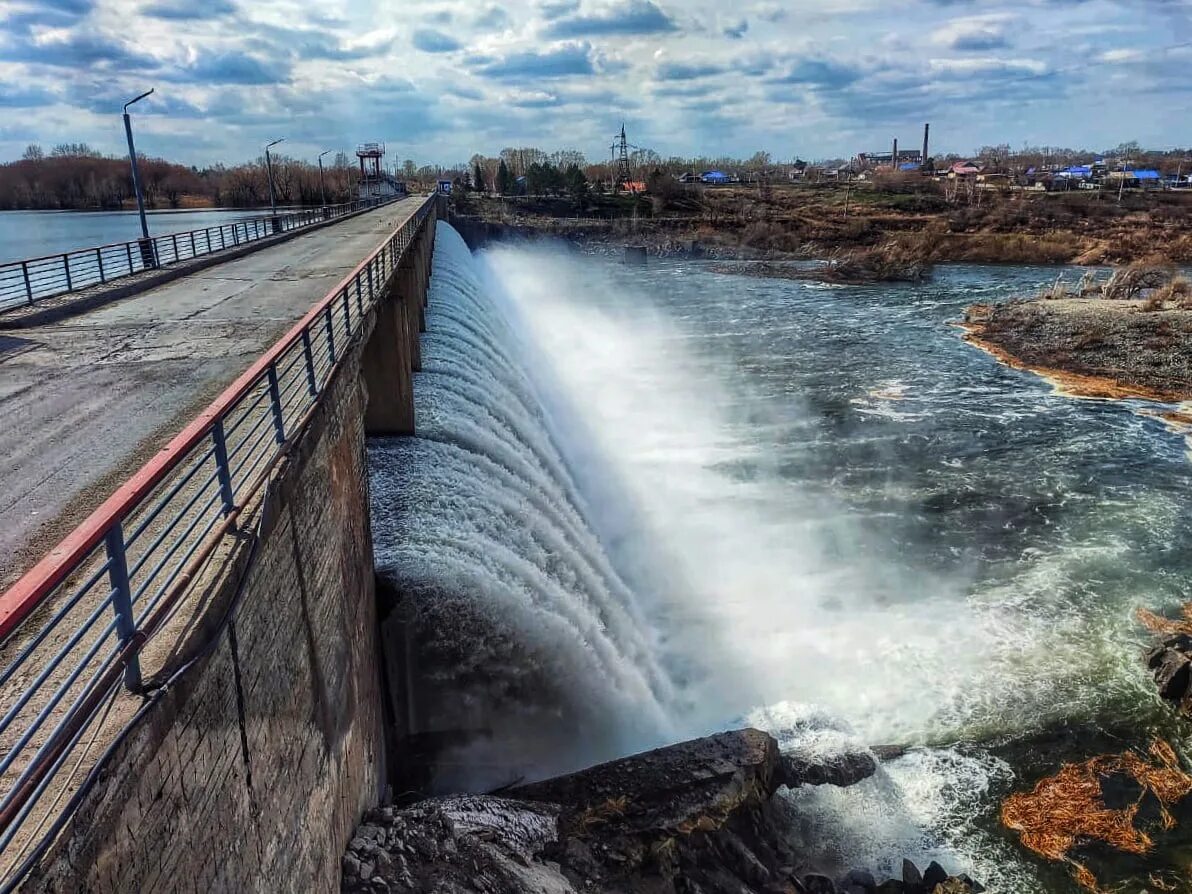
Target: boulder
911,876
1173,673
840,770
819,884
934,875
860,878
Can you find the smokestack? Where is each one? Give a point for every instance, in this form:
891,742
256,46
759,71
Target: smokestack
926,134
894,155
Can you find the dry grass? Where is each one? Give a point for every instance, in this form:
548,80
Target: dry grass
1068,808
893,261
601,814
1166,627
1131,281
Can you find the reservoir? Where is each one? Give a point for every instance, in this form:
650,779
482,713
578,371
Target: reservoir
34,234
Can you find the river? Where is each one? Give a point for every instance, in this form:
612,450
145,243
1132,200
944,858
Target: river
34,234
647,503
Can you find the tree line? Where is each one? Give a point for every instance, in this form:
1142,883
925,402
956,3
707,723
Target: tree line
74,176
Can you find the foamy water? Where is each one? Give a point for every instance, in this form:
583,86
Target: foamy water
644,505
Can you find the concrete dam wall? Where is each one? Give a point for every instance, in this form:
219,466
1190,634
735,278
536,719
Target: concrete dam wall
251,768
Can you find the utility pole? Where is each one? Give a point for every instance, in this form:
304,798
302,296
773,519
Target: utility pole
269,171
322,189
147,255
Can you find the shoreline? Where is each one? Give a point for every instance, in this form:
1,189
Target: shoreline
1082,386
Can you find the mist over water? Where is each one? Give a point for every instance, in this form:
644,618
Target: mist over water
648,504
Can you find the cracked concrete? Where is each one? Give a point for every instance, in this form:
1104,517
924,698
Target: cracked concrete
88,399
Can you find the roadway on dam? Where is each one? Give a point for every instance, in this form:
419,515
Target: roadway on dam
87,400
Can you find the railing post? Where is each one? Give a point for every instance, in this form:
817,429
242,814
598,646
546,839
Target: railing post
310,363
99,260
222,468
28,283
175,238
128,251
66,268
330,335
122,601
348,307
279,424
193,253
372,291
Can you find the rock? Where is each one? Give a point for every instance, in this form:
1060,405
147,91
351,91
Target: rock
911,874
934,875
698,816
819,884
860,878
892,886
1173,675
975,887
841,770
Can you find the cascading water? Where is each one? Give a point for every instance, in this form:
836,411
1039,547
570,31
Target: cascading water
525,623
644,505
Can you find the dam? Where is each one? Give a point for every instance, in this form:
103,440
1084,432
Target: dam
539,510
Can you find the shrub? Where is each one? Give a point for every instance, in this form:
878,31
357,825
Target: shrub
1131,281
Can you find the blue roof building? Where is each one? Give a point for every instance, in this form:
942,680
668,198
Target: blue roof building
714,177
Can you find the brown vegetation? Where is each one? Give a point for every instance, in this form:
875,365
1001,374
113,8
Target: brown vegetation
828,219
1069,808
74,176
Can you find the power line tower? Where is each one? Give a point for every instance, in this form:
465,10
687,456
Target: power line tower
621,151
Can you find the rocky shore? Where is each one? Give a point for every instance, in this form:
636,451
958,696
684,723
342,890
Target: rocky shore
1091,347
701,817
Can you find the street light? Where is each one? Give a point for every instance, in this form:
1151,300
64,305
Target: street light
136,174
269,170
322,191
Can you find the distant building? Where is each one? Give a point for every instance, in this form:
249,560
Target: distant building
716,178
870,160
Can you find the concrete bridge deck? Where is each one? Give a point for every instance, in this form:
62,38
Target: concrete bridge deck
85,401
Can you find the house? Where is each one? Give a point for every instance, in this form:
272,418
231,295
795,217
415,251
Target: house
634,186
445,187
689,177
963,170
715,178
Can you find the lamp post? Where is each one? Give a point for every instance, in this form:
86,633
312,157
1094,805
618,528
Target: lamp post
269,171
146,246
322,189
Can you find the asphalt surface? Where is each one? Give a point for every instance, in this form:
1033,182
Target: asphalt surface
86,401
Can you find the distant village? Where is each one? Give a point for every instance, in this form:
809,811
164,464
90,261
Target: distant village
1003,171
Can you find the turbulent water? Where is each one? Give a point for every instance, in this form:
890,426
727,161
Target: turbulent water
649,503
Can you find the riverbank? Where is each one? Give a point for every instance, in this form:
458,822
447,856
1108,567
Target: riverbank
915,218
1091,347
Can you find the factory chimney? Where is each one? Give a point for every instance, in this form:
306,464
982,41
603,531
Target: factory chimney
894,155
926,134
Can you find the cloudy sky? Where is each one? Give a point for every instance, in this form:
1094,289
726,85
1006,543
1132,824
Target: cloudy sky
438,80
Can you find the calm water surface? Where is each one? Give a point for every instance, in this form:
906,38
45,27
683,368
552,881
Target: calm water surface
31,234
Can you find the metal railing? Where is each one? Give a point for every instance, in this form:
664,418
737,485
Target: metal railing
28,281
76,625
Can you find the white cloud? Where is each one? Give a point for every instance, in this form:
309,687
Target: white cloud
459,76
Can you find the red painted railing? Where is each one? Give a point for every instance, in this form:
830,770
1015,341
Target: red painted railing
76,623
